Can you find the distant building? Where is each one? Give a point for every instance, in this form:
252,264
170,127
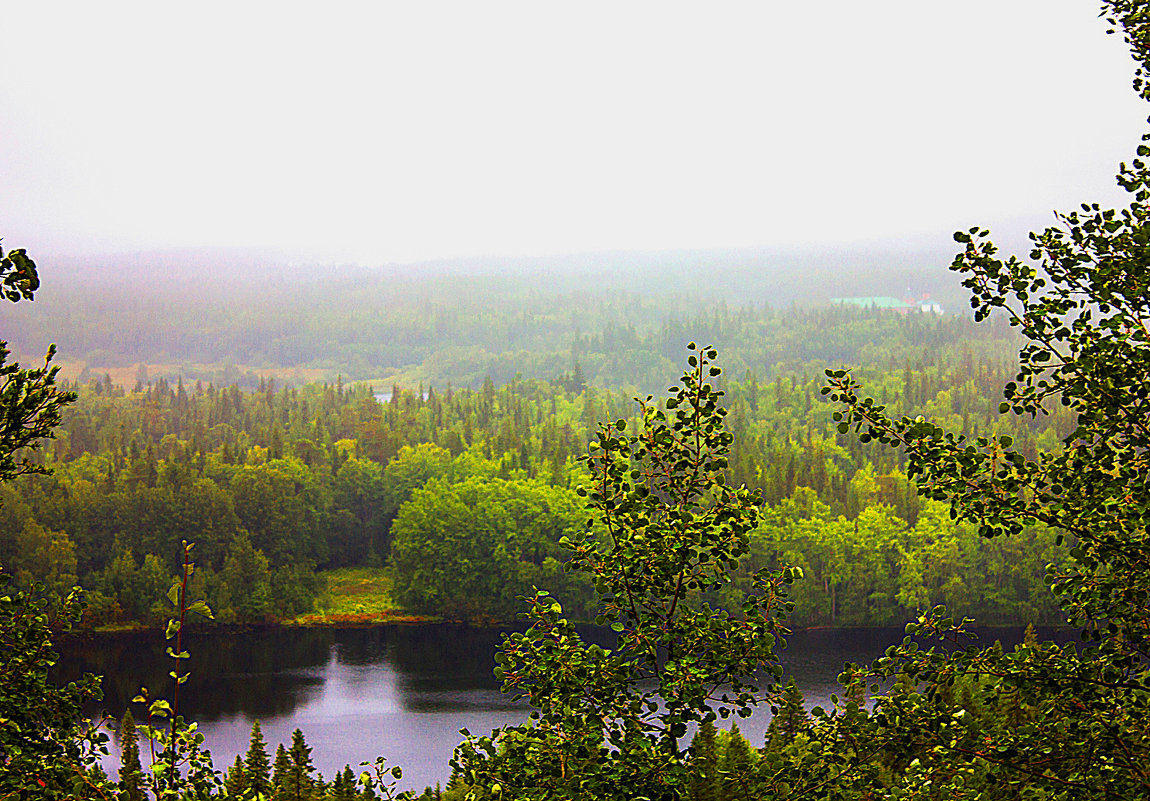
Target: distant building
892,304
905,306
926,305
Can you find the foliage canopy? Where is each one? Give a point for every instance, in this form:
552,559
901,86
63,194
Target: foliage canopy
30,402
665,531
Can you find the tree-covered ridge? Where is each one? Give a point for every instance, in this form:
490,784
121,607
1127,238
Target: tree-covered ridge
274,484
459,330
946,720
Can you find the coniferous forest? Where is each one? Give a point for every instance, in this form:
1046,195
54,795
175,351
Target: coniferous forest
806,466
275,484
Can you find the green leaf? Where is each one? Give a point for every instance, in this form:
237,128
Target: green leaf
201,608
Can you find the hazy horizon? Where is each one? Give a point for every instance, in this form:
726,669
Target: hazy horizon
388,134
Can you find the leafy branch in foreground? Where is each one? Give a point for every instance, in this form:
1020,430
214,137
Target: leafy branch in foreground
666,530
181,765
47,749
1081,726
30,403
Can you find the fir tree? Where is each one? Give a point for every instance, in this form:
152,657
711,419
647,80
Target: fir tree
736,765
791,718
343,786
705,764
131,778
281,769
299,774
256,764
236,780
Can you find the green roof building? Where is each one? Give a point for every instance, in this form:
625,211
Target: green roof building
875,303
926,305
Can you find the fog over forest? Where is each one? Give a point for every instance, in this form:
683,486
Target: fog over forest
195,313
583,359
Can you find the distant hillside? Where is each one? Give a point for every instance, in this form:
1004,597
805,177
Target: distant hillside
218,315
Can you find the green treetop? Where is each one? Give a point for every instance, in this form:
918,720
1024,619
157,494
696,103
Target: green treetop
1075,722
256,763
665,530
29,400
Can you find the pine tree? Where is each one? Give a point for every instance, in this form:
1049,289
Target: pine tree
343,786
791,719
705,764
256,764
299,775
131,778
736,762
281,769
236,780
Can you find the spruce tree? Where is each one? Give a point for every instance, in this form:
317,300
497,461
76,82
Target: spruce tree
281,769
299,774
131,777
736,763
1030,636
705,764
343,786
256,764
236,781
791,719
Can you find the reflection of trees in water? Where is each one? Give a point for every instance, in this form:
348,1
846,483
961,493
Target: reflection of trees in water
362,647
445,658
440,657
259,674
449,669
271,673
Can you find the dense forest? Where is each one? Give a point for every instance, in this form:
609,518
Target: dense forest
464,494
698,526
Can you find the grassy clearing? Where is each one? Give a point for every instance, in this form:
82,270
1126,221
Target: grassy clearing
356,595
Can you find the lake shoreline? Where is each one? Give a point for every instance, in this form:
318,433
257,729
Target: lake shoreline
403,691
316,621
389,619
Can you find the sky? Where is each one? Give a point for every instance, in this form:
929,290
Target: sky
387,132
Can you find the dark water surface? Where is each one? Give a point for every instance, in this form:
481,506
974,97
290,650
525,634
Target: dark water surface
403,692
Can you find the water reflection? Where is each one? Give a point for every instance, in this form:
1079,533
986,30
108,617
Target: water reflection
400,691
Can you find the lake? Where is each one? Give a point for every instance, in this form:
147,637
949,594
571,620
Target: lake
403,692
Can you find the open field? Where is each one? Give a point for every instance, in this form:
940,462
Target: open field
356,595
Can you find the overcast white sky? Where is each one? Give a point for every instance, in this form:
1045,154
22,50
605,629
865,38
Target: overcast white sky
386,131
